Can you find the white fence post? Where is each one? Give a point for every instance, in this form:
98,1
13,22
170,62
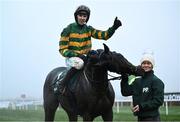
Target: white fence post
118,107
166,107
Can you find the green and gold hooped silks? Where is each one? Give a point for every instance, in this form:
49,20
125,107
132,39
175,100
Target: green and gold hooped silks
75,40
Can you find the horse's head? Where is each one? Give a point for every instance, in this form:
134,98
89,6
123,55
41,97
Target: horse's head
116,62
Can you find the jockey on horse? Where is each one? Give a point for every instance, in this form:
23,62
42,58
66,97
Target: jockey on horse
75,42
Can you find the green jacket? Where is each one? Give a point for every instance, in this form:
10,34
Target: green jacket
76,40
147,92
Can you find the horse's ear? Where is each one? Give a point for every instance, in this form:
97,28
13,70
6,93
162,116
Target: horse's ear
106,48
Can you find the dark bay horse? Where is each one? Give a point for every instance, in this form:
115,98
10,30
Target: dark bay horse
93,95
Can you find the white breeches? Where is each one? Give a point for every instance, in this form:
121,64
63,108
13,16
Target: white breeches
75,62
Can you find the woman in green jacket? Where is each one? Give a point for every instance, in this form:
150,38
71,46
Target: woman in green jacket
75,41
147,91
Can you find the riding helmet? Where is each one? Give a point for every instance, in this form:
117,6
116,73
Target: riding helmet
80,9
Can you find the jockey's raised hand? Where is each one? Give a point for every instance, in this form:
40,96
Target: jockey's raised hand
92,52
117,23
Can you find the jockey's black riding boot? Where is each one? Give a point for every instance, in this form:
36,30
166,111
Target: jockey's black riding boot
67,78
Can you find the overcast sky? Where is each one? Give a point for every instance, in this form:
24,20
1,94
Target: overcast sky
30,32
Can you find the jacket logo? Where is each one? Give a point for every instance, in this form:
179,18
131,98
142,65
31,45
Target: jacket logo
145,90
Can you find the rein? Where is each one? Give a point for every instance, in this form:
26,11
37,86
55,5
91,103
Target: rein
114,78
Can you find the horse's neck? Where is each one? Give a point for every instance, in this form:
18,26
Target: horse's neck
96,75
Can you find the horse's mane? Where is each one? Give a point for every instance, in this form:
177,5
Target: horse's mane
118,55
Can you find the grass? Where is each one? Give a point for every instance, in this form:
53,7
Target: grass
125,114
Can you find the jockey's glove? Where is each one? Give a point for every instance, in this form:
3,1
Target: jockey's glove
92,52
117,24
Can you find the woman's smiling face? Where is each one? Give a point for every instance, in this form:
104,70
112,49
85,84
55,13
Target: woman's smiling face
147,66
